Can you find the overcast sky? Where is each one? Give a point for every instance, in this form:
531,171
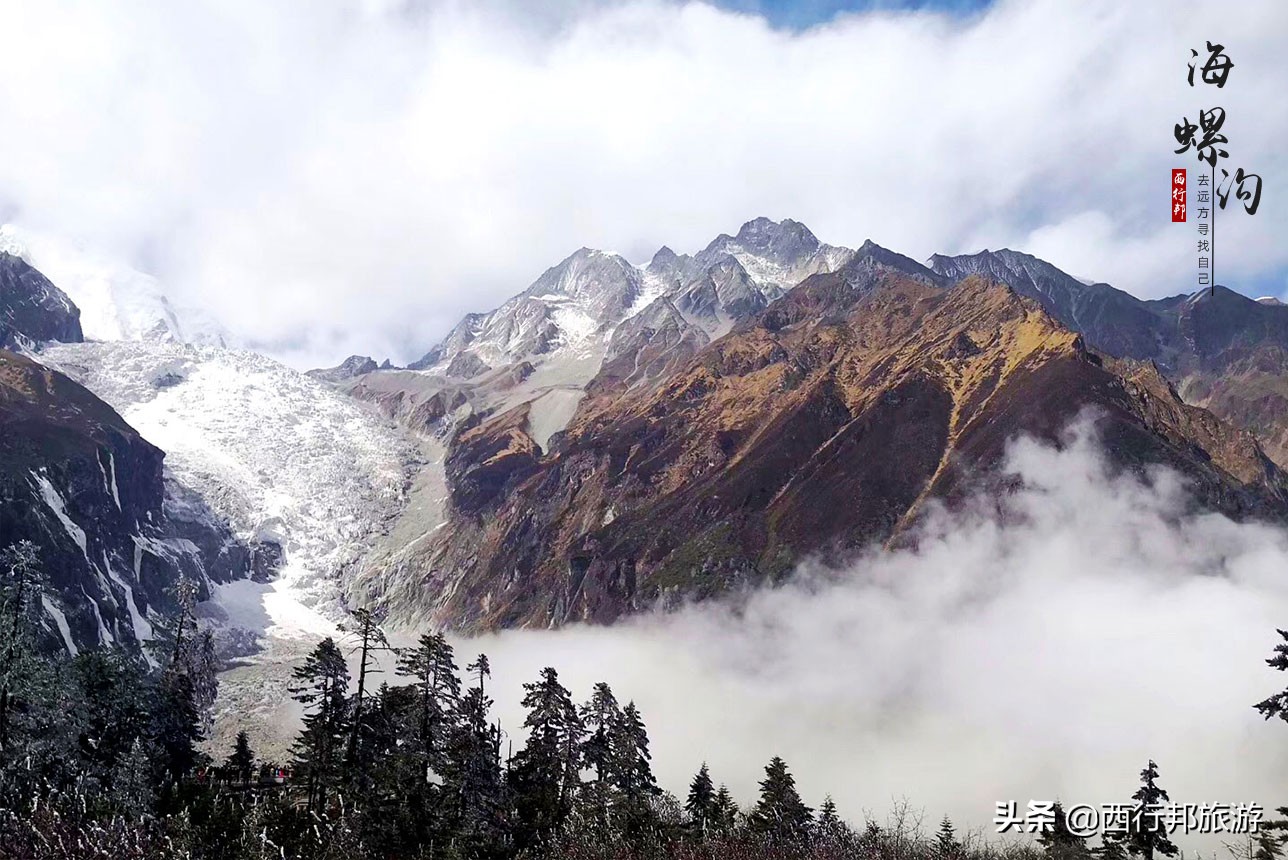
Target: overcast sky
341,177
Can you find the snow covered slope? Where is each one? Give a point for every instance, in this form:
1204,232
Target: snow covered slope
283,458
115,301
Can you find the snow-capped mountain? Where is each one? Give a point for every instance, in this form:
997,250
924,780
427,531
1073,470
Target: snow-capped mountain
283,458
563,310
574,308
116,302
591,311
777,255
287,459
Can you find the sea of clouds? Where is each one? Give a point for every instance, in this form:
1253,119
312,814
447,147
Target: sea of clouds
1040,646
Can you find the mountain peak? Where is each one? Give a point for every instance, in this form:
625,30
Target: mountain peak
870,253
586,273
664,257
777,240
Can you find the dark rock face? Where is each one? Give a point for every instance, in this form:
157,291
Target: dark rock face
79,482
818,426
488,459
32,309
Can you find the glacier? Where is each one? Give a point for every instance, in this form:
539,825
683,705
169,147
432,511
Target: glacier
280,456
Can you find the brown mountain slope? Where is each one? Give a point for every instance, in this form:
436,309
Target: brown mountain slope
817,427
1224,351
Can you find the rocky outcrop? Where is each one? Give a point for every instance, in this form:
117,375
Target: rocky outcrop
488,459
354,365
32,309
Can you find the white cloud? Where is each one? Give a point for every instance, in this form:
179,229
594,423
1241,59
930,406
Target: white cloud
1045,652
353,177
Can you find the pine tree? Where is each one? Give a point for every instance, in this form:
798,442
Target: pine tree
1269,845
114,706
701,803
203,668
603,719
1113,846
546,772
177,723
322,683
432,668
429,772
480,669
725,817
872,838
636,783
188,685
173,637
390,818
1146,831
132,782
240,763
947,847
780,814
1059,842
476,751
387,721
830,827
370,638
1277,705
45,719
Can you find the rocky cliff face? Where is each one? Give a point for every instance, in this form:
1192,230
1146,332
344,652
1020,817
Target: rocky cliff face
32,309
79,482
821,424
